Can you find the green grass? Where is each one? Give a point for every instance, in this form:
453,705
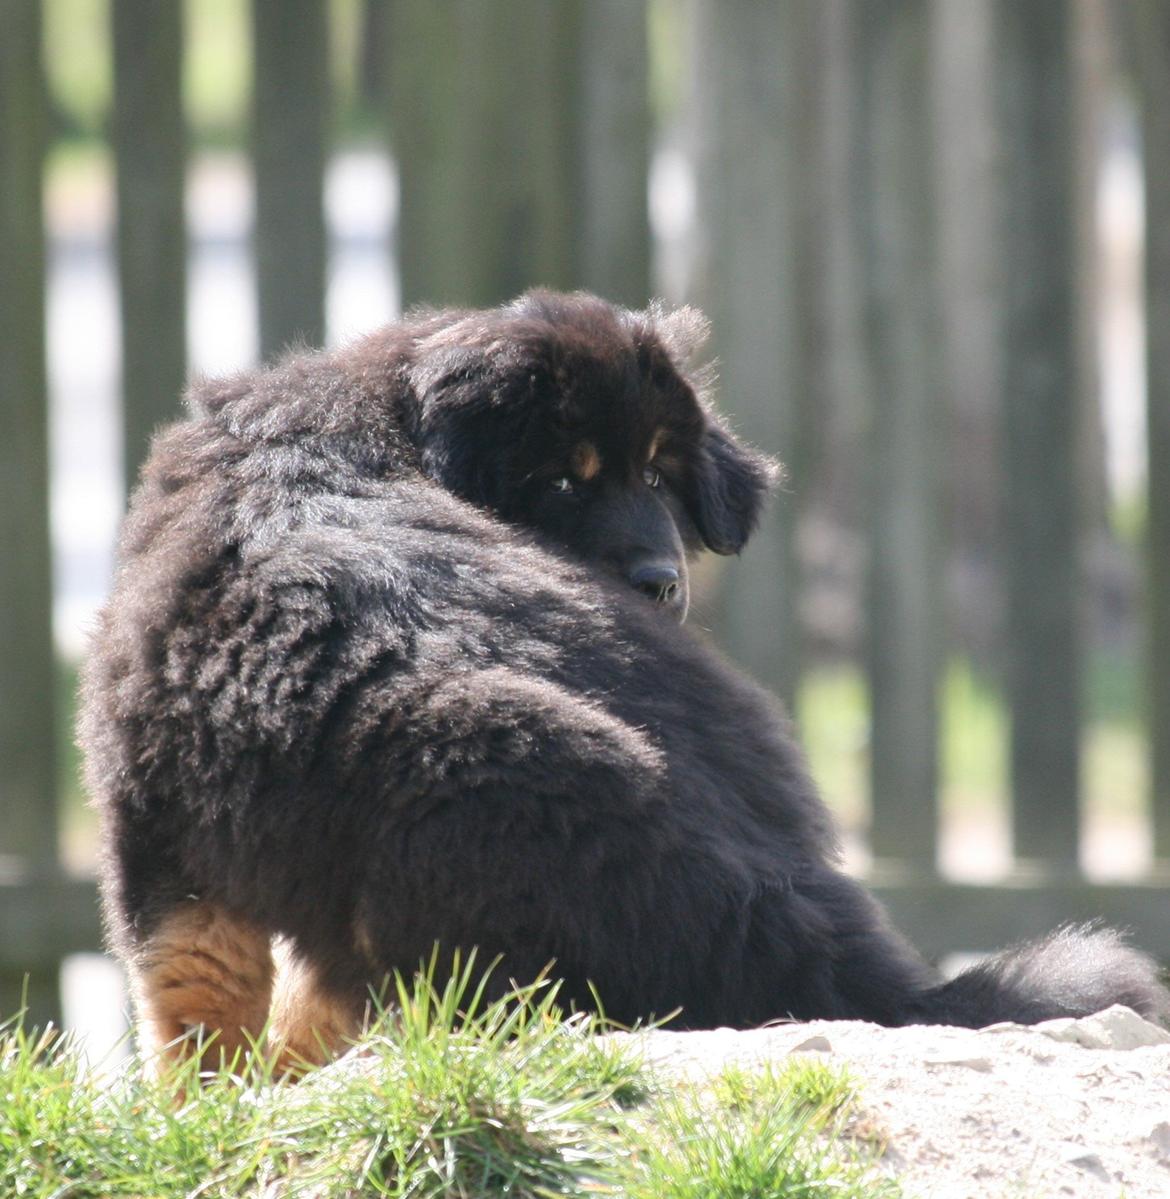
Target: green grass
792,1129
447,1096
973,749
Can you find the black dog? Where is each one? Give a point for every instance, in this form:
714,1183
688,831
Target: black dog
393,659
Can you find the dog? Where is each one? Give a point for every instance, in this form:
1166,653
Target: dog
394,659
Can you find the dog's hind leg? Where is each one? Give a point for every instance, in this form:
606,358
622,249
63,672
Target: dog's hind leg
201,981
309,1023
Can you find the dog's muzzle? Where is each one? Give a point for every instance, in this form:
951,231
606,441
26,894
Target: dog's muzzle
661,583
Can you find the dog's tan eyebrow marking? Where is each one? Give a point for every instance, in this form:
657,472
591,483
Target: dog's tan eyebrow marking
655,442
585,460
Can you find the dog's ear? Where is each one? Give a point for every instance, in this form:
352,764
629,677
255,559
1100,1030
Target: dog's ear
729,482
729,486
453,454
462,426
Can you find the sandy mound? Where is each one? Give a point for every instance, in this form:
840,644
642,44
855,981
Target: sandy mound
1071,1107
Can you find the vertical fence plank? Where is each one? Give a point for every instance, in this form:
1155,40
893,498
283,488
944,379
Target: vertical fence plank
290,117
424,113
1090,84
971,272
28,834
896,206
1154,49
150,151
745,281
522,142
814,34
480,101
613,253
1040,430
26,652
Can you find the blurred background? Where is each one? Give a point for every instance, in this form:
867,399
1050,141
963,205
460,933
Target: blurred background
933,237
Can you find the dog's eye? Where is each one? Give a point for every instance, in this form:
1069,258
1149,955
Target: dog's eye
651,476
562,485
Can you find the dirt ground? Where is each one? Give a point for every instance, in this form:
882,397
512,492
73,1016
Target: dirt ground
1069,1108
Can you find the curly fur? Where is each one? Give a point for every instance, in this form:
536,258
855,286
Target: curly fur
366,683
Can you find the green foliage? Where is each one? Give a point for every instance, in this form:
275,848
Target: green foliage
669,66
834,727
62,1132
974,737
782,1133
447,1095
217,67
463,1098
1114,686
79,63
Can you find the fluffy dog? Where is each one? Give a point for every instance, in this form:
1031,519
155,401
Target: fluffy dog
394,659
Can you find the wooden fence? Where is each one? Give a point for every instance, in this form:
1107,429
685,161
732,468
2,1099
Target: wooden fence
522,135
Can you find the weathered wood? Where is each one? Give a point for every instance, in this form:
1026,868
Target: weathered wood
841,485
613,251
521,133
1040,429
424,113
814,30
941,918
42,919
745,280
28,771
1154,52
45,918
968,211
373,54
896,206
150,145
480,122
290,120
1091,82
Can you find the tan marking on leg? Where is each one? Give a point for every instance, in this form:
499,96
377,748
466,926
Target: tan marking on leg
585,460
308,1024
203,971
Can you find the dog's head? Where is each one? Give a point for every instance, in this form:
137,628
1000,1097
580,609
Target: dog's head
582,422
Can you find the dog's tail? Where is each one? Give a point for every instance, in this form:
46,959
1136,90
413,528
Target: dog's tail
1078,970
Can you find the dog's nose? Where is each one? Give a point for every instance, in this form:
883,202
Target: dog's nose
658,580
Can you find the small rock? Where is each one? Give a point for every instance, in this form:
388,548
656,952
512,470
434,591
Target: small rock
1006,1026
982,1064
1159,1137
1092,1164
817,1044
1116,1027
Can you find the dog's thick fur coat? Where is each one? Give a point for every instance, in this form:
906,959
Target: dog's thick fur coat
370,680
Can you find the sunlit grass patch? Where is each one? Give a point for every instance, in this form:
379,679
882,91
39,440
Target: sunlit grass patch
66,1132
447,1095
792,1131
453,1096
